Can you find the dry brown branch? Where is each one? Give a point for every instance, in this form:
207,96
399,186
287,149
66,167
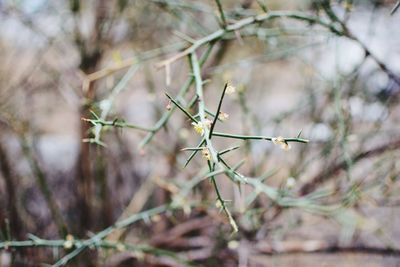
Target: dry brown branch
334,168
319,246
180,230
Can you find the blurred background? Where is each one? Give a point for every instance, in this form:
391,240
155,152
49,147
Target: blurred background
330,202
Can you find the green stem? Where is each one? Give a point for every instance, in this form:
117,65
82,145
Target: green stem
214,155
395,8
96,239
165,117
218,111
222,201
194,153
118,124
221,13
111,98
258,137
200,103
248,21
228,150
187,113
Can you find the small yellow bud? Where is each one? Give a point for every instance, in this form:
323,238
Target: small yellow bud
69,242
206,153
198,127
207,123
281,141
230,89
168,106
223,116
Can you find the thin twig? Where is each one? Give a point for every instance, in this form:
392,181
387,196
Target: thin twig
258,137
221,13
245,22
187,113
106,104
194,152
117,123
102,234
326,174
218,111
319,246
395,8
184,89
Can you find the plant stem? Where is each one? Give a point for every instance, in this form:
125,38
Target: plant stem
119,124
248,21
218,110
221,13
187,113
257,137
96,239
214,155
395,8
165,117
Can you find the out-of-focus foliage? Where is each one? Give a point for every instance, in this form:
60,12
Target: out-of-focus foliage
175,132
